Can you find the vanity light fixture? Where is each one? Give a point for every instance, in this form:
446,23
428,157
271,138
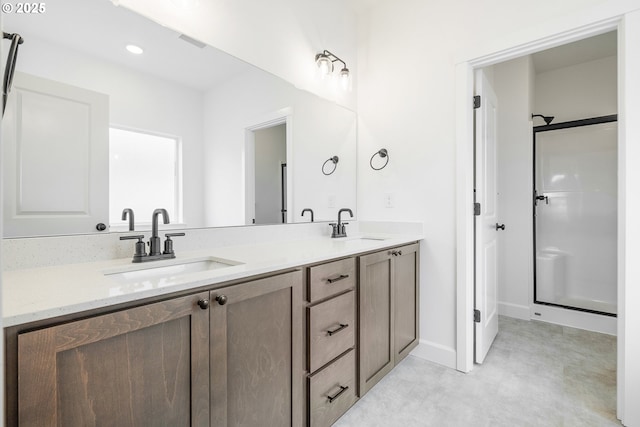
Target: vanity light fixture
334,160
383,153
325,60
136,50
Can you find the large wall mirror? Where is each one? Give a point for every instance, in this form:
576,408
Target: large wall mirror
91,129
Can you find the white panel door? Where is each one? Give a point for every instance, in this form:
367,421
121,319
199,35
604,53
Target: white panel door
486,275
55,158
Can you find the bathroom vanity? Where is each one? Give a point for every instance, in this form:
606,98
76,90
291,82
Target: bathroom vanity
292,333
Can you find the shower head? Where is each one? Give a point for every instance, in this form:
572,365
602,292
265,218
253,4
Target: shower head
547,119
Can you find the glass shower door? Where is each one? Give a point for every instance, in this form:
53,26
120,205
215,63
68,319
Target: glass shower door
575,216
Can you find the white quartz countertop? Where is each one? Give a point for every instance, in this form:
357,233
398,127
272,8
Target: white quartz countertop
42,293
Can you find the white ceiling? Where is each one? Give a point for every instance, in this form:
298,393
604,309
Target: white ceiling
585,50
103,30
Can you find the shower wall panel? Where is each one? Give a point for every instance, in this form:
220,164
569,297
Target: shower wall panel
576,216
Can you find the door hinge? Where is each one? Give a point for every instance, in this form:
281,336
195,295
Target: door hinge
476,316
476,102
476,209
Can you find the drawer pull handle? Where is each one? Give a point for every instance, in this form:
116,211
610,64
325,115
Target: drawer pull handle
337,279
342,327
337,395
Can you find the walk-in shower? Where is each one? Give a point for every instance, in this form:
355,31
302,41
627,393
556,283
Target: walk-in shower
575,214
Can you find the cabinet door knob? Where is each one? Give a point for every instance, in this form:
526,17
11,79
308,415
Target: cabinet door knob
204,304
222,299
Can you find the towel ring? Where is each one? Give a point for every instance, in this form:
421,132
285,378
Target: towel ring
383,153
333,159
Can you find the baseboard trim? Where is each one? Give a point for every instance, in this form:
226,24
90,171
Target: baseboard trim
575,319
436,353
514,310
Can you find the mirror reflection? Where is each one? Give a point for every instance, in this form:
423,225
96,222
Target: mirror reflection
92,129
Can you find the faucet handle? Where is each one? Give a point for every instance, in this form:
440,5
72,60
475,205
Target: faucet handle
140,247
169,235
139,237
168,244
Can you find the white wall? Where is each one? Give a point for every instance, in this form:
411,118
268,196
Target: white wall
279,36
513,84
136,101
320,129
406,103
578,92
629,242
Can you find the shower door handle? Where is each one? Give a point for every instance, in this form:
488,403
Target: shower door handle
545,198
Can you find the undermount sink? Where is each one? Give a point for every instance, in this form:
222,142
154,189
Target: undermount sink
367,238
176,268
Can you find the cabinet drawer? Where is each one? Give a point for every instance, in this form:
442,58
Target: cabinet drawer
331,329
332,391
331,278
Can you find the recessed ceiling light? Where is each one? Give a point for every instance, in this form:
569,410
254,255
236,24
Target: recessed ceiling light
137,50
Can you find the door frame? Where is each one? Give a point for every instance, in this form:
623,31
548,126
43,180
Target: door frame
282,116
556,33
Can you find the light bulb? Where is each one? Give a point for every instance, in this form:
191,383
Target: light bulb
344,78
324,64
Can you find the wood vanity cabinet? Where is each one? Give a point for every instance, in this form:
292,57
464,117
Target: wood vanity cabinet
388,311
226,357
256,353
331,341
144,366
292,349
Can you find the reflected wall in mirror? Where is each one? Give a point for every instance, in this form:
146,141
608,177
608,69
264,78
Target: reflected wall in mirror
91,129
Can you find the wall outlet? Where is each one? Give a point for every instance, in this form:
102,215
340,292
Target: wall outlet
388,200
331,203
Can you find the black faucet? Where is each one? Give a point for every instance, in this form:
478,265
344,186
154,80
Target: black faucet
154,241
307,210
339,229
128,212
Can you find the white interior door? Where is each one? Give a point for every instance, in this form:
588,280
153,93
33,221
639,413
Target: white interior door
55,158
486,241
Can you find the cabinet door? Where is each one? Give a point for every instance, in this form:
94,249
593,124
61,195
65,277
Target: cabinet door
405,281
256,353
376,318
144,366
55,158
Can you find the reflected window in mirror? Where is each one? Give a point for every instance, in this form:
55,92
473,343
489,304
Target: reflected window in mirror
144,174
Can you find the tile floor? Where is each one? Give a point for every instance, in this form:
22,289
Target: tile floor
536,374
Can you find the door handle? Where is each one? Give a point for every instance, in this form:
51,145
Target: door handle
545,198
499,226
